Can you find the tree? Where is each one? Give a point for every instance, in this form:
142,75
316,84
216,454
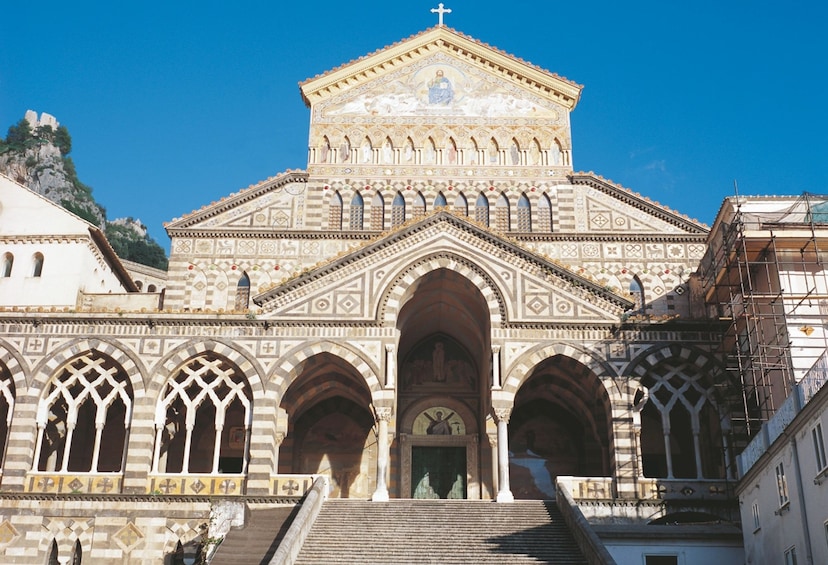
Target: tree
63,140
19,136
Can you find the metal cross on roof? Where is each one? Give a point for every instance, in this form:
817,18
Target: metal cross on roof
439,10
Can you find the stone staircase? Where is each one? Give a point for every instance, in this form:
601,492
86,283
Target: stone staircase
256,543
444,532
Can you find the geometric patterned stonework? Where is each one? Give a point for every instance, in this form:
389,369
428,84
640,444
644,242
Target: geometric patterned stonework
290,485
128,537
73,484
7,533
201,485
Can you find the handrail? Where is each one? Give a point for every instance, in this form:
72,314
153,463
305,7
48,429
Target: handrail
588,541
291,544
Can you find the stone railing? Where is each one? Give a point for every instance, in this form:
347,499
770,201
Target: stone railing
802,393
291,545
588,541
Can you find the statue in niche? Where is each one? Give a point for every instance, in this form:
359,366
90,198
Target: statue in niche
387,152
345,151
323,153
440,90
515,153
438,362
408,154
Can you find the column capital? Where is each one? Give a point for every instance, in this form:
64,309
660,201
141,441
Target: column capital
501,414
495,349
383,413
279,437
390,347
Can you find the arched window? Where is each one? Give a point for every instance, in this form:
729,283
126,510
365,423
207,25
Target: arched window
83,418
398,210
440,201
37,264
544,223
6,265
377,212
461,205
335,212
242,293
680,426
481,209
151,288
139,284
524,214
356,213
637,293
52,557
203,419
502,213
77,554
7,394
419,208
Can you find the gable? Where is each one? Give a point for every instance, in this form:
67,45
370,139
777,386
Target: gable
276,203
430,45
24,212
523,287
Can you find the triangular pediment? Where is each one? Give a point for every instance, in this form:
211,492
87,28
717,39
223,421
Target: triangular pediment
528,288
400,75
268,204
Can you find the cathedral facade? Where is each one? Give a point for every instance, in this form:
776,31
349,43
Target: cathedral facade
438,306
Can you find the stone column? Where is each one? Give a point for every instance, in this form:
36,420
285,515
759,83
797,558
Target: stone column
383,454
504,493
496,366
390,367
278,439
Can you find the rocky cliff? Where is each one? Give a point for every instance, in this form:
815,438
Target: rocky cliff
35,153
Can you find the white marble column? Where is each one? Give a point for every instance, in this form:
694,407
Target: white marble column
504,492
383,454
390,366
279,438
496,367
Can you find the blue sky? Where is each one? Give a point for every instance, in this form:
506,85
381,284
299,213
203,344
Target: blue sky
172,105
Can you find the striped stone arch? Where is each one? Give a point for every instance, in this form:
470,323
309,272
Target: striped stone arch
650,358
525,364
13,362
248,366
291,364
127,360
392,299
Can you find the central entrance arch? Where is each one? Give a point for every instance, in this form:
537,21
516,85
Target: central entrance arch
444,362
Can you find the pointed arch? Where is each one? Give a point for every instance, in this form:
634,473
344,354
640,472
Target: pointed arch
387,155
325,150
493,152
481,209
637,294
524,214
450,157
408,153
345,150
366,151
440,201
83,416
535,154
419,207
474,153
7,397
502,213
77,554
203,418
514,153
461,205
544,217
356,212
377,212
430,152
335,212
556,156
242,293
398,210
52,555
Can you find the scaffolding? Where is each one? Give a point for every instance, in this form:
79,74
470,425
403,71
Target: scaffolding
764,276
